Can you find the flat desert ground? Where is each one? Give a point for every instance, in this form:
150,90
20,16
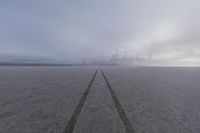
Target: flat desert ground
41,99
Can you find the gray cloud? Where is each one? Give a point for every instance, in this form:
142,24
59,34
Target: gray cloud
70,31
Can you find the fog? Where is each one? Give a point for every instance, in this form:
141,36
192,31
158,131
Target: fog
133,32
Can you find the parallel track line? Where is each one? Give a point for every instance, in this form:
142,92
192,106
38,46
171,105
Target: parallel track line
72,122
120,110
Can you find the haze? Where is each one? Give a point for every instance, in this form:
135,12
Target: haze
133,32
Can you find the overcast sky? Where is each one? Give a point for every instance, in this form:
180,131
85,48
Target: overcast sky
165,31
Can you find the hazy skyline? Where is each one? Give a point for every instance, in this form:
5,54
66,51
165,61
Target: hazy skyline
163,32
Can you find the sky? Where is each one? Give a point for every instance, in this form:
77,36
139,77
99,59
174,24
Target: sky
138,32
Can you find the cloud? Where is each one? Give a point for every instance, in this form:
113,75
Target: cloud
70,31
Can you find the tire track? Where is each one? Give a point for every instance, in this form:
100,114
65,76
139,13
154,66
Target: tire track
120,110
72,122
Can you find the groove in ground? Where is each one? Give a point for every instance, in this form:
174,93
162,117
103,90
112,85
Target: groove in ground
120,110
72,122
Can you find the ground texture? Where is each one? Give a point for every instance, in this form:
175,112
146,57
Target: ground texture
148,100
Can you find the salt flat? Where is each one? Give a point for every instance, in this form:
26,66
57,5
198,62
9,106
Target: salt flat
99,114
40,99
159,99
155,99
